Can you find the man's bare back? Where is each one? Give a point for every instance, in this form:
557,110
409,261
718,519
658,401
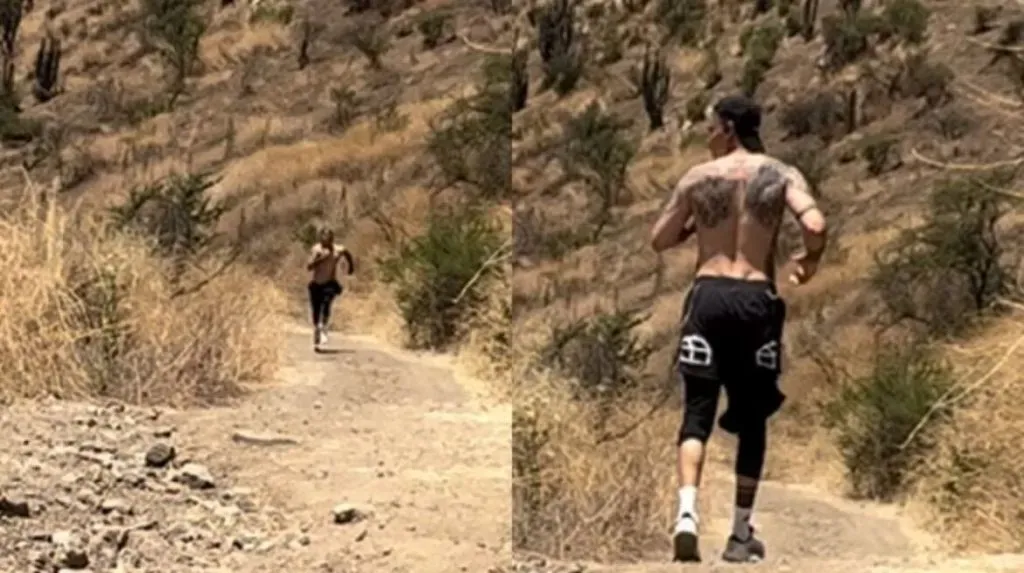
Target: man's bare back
735,204
738,203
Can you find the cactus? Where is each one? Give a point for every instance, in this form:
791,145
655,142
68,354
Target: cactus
654,78
304,43
559,48
556,30
851,110
8,96
810,16
520,87
47,69
10,20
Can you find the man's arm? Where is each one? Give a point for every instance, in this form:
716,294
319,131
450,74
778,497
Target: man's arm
803,206
676,222
349,260
315,256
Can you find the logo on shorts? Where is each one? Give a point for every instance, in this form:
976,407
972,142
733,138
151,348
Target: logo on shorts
768,355
694,350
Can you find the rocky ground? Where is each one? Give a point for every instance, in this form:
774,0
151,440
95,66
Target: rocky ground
357,461
103,488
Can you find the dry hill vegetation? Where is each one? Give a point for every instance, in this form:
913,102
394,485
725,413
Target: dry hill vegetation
903,355
168,162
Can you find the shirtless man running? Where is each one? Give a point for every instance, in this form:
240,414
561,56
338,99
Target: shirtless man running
324,287
731,335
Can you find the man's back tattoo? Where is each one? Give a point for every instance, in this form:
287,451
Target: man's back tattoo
766,195
713,199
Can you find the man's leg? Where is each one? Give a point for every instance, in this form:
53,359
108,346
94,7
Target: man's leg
316,304
749,408
331,293
701,403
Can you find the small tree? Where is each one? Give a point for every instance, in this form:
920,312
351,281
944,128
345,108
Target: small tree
173,29
438,276
596,151
371,37
176,212
471,140
876,418
952,267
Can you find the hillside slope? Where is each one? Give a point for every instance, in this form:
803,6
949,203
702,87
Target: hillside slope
899,112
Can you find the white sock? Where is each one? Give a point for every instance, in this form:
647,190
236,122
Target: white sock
741,523
688,501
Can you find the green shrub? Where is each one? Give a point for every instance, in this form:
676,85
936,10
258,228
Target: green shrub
879,152
438,276
596,150
683,19
175,212
173,29
907,19
944,273
847,37
434,27
822,114
873,416
601,353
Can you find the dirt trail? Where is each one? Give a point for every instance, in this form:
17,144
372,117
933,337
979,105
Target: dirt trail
808,531
388,432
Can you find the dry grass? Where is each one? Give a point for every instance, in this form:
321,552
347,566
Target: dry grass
604,502
974,485
88,312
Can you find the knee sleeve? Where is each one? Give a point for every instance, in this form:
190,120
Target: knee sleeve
750,453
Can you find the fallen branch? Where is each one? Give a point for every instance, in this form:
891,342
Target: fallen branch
484,49
997,47
966,166
498,256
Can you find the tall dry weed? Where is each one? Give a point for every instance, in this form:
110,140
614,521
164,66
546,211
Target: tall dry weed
89,312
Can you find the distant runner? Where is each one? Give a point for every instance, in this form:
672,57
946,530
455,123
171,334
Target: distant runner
731,333
324,286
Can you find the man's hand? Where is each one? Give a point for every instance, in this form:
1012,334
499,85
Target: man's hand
805,268
318,255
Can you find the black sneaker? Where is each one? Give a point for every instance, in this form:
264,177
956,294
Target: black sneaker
738,550
685,547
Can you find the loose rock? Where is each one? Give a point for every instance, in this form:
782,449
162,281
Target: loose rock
346,513
159,455
195,476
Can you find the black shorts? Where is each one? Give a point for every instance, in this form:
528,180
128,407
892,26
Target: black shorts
324,291
731,337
